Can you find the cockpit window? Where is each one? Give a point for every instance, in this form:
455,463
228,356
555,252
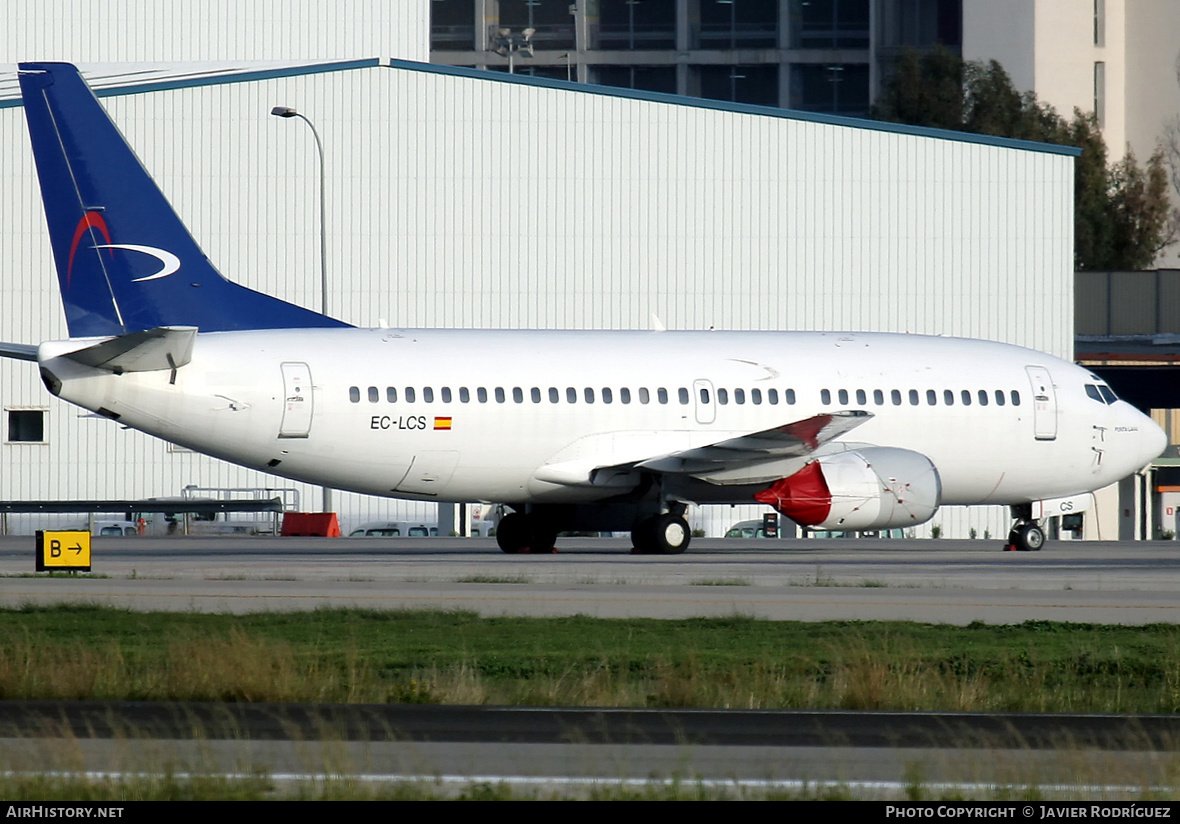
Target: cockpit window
1101,393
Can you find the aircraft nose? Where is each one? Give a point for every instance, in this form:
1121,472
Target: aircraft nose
1154,441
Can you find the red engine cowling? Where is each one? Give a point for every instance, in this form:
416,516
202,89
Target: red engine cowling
877,487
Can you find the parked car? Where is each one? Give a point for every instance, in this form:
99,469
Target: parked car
746,529
394,529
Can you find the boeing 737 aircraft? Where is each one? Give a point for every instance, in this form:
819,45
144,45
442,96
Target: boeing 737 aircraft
849,431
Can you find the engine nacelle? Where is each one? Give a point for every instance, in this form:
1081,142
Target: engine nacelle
876,487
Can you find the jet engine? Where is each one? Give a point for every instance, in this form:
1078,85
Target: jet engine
874,487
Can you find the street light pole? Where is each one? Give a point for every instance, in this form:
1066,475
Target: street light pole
287,111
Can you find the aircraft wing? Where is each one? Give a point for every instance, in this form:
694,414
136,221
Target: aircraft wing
791,440
612,460
20,351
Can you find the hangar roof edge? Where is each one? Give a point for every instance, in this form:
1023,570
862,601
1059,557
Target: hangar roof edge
142,78
740,108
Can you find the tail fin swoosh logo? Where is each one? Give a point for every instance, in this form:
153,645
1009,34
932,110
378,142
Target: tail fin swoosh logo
90,220
170,263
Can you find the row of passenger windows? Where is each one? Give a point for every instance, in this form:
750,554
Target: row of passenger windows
756,397
570,394
965,397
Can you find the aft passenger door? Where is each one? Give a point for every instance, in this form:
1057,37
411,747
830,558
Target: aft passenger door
297,401
1044,403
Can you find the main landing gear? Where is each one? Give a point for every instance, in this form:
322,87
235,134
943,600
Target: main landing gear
520,533
666,534
535,530
1026,534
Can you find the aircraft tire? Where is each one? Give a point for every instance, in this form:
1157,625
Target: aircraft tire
643,537
1029,538
512,533
670,534
542,536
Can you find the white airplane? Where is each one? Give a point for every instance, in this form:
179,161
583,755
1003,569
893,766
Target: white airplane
834,430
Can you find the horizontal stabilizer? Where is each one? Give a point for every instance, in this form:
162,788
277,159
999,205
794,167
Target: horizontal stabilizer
165,347
20,351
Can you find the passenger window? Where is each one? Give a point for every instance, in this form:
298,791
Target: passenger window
842,397
391,394
948,397
722,396
373,395
607,395
535,394
756,397
499,394
428,394
446,394
861,399
354,394
895,396
662,395
999,397
644,397
772,397
571,395
790,396
464,395
625,395
983,397
554,395
739,396
589,394
682,394
1015,397
913,397
517,395
931,397
481,395
878,397
825,397
966,395
409,396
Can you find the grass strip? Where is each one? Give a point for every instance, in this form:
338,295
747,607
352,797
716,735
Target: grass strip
338,655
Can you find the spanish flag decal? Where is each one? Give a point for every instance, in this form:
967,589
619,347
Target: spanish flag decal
442,423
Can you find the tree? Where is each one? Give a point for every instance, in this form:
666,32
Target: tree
1122,218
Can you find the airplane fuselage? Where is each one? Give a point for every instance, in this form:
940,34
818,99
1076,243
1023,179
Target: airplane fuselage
528,416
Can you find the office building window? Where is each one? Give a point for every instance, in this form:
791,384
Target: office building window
830,24
626,24
1100,93
830,88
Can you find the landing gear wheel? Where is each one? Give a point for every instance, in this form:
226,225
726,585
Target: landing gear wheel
666,534
1028,538
519,533
512,533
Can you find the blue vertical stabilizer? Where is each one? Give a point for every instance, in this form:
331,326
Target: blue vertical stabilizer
125,261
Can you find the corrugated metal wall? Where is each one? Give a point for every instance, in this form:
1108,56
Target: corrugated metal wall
463,202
